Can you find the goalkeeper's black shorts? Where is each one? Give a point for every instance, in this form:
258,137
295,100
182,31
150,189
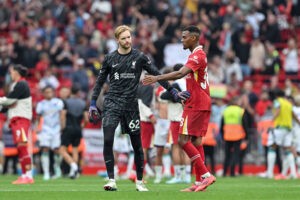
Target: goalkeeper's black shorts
130,120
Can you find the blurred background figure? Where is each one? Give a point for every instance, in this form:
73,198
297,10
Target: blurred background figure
49,118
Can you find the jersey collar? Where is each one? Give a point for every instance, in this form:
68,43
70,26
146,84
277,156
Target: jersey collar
197,48
20,79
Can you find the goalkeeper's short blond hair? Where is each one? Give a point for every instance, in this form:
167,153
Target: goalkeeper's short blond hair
121,29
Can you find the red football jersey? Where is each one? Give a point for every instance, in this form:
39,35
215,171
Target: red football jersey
197,81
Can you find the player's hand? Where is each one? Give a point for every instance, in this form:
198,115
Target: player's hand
94,113
153,119
148,79
180,96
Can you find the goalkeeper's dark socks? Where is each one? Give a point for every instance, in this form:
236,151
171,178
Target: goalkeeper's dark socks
109,133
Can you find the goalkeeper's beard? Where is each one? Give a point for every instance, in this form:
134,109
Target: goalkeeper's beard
125,46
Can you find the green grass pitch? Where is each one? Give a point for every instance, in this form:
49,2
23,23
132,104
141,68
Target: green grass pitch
91,188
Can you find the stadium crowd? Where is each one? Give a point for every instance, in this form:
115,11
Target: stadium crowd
252,49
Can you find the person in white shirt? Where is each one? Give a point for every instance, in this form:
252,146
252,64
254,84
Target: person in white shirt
49,114
291,64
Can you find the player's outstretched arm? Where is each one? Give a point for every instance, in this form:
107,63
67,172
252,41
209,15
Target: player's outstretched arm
149,79
146,64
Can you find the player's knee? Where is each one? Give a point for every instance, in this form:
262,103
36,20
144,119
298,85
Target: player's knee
182,140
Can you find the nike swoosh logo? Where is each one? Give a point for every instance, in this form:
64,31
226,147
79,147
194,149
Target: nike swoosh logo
115,65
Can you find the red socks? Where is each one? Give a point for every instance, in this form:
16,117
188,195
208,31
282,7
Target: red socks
195,157
24,157
201,151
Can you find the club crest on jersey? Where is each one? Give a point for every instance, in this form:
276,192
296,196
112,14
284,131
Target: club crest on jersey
133,64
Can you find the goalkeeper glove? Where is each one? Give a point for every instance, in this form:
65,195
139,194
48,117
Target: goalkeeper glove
180,96
94,113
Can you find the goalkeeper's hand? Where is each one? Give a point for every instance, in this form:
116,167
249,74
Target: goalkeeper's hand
94,113
180,96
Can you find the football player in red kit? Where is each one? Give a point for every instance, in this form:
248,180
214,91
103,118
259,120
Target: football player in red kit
196,114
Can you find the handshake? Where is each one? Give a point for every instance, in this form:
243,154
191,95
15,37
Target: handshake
180,96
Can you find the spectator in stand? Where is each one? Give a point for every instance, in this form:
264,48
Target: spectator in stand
291,61
49,79
243,51
92,54
89,27
272,61
230,17
72,31
263,104
254,18
270,30
59,11
290,90
65,56
104,25
273,87
5,61
82,47
42,66
56,48
225,38
111,44
159,45
257,55
50,32
29,54
216,73
247,90
80,77
233,71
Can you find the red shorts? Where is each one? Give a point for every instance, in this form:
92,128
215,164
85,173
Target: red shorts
174,131
19,128
147,131
194,122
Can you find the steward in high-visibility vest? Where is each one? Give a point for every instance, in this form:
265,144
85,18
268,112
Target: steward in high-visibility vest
233,127
233,130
